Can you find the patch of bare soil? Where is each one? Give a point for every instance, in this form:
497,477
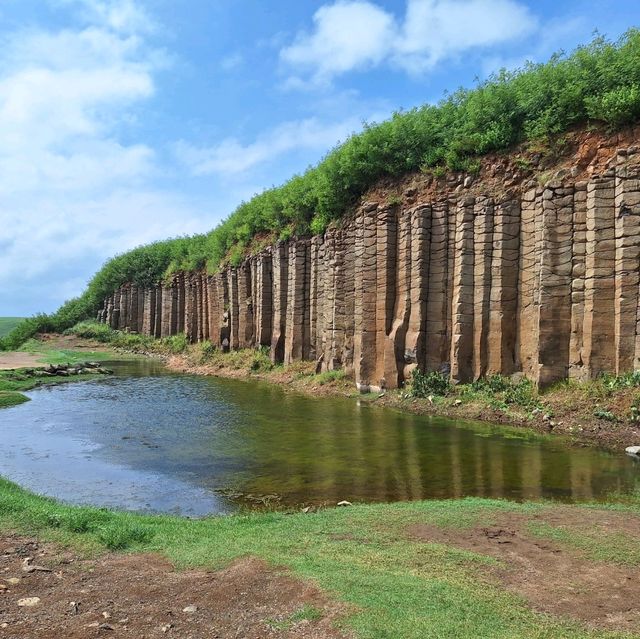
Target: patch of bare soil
9,361
71,342
142,596
552,578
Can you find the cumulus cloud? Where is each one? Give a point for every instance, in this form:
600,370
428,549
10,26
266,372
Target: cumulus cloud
232,157
72,192
346,36
351,35
125,16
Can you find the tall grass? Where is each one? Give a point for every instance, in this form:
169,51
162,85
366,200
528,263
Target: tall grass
597,83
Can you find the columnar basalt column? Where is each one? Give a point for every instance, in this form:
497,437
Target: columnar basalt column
394,362
314,247
297,330
263,295
415,342
223,330
280,267
529,281
365,298
180,301
115,314
123,322
627,233
245,306
149,313
436,325
334,341
463,295
599,324
321,299
554,311
232,283
157,325
200,306
501,342
579,248
347,296
483,253
167,304
386,254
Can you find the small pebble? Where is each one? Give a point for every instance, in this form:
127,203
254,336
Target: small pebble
29,602
190,609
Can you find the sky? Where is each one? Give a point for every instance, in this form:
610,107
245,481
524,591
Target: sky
128,121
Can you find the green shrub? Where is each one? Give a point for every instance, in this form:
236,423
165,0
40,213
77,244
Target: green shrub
207,350
261,360
92,330
603,413
176,343
326,377
423,385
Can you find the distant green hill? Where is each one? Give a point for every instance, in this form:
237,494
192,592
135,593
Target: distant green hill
7,324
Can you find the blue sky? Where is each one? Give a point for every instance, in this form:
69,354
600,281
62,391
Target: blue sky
127,121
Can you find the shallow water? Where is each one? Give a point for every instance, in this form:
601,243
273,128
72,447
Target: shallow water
148,439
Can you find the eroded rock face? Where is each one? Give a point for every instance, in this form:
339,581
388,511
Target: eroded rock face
538,278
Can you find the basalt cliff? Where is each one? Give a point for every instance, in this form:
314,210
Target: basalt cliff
531,266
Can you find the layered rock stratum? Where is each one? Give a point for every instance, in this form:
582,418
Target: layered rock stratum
531,266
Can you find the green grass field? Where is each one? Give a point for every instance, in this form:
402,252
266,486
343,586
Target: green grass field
7,324
394,586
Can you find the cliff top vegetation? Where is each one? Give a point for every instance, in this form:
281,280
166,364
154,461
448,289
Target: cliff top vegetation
598,83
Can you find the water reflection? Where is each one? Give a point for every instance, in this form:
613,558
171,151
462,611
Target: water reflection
186,437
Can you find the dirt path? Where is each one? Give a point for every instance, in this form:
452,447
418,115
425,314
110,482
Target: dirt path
18,360
143,596
554,578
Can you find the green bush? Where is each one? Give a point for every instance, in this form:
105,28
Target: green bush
603,413
92,330
176,343
327,377
423,385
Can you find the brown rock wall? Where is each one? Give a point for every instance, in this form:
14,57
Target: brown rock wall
538,278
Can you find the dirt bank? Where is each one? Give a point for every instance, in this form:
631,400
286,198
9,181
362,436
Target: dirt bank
144,596
554,578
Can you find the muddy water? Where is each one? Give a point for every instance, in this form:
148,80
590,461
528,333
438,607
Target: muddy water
148,439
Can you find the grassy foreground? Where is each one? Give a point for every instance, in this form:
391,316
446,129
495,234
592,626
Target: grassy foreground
394,586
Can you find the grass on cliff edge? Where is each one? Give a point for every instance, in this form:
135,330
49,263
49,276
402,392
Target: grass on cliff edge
394,586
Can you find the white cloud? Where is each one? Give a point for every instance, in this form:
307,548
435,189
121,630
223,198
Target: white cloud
231,62
125,16
355,34
347,35
232,157
72,192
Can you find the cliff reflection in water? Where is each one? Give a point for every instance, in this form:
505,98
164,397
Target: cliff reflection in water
178,439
